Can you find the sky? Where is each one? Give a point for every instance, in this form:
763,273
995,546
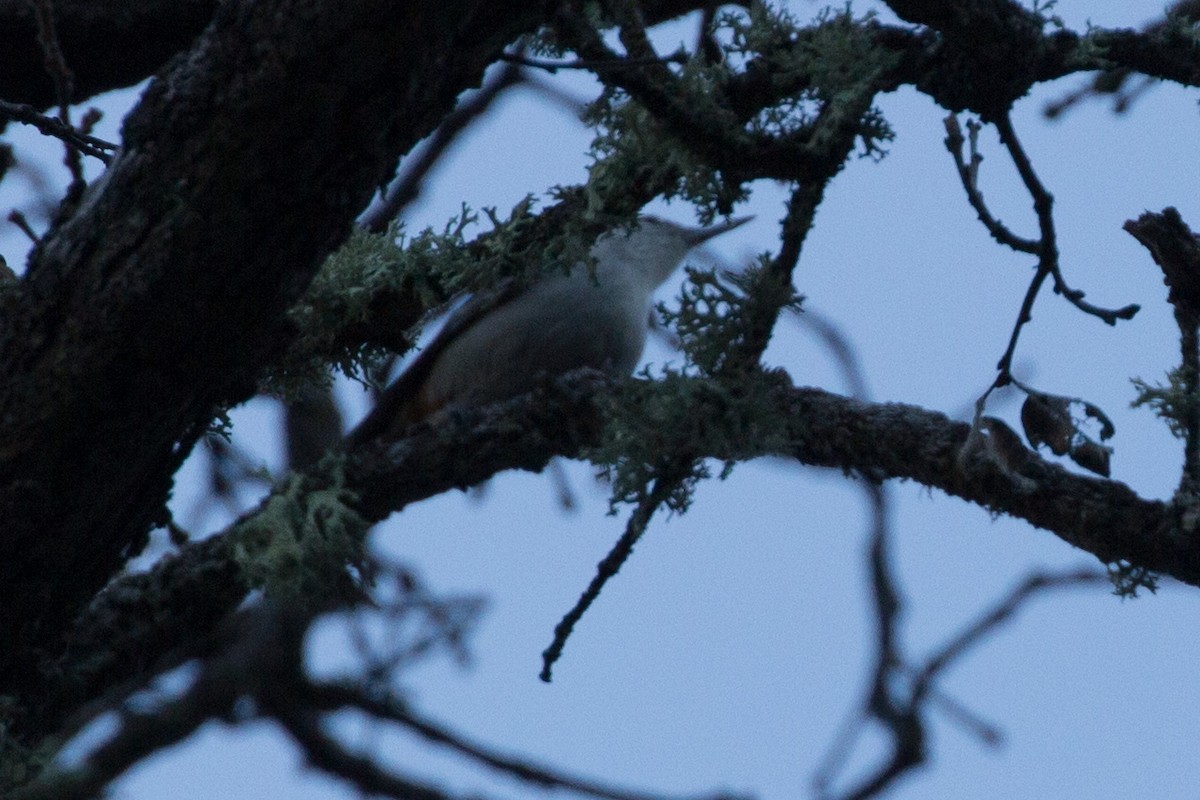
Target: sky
733,646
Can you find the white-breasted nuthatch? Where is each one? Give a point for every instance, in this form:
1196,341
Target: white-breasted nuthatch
493,348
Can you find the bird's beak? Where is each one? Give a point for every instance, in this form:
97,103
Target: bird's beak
697,236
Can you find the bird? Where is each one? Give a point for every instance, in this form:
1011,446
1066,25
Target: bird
501,344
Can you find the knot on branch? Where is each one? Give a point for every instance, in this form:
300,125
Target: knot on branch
1176,250
978,72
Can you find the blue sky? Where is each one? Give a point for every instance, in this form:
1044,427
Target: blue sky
734,644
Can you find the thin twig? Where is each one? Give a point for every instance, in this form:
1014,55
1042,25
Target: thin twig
968,173
1189,373
1004,365
1115,81
608,567
678,57
555,95
839,344
900,694
1047,252
407,186
1043,203
333,696
64,85
52,56
325,753
258,643
51,126
1003,611
18,219
1176,250
987,733
883,703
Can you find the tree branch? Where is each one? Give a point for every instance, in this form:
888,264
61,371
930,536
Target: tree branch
109,44
107,384
191,592
161,298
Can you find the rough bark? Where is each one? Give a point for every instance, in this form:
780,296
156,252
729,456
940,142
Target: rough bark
160,297
107,44
146,617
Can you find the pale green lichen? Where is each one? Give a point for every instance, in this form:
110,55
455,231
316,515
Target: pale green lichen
715,312
1170,401
816,76
662,427
299,545
357,289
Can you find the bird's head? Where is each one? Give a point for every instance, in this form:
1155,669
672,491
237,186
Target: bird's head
654,248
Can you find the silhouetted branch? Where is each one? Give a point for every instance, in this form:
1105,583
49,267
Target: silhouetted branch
1045,247
901,694
84,143
1176,250
407,186
665,485
968,173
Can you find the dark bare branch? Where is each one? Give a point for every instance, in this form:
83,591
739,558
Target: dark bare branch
182,232
109,44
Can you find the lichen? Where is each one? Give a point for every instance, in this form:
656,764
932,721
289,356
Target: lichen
297,546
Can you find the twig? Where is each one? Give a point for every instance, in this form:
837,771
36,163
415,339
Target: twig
407,186
555,95
336,696
760,317
678,57
900,694
1004,365
18,219
988,734
887,597
1003,611
1176,250
52,55
1115,81
902,719
64,85
839,344
221,680
416,622
330,756
968,173
718,136
51,126
1047,251
1043,203
663,487
1189,371
632,31
706,43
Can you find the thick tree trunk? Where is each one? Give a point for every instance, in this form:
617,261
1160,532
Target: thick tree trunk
159,299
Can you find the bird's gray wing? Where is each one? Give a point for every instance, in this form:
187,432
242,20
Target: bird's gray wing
397,398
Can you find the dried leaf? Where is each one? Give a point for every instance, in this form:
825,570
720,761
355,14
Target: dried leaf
1046,419
1091,456
1107,429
